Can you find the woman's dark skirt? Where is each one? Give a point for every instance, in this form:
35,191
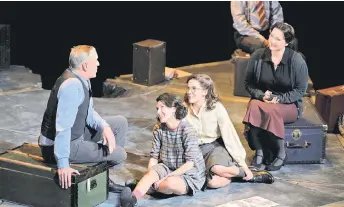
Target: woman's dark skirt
270,117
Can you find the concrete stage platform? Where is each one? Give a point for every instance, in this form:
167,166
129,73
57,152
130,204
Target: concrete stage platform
22,106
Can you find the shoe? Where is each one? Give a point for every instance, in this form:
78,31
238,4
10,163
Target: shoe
127,199
274,167
262,176
115,188
257,166
268,157
131,184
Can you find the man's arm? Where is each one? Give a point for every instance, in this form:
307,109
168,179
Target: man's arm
70,96
94,120
276,12
240,22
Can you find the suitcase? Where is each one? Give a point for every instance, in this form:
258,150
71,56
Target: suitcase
5,48
149,60
26,179
240,64
330,104
305,139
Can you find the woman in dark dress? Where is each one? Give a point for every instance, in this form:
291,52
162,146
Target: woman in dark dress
277,79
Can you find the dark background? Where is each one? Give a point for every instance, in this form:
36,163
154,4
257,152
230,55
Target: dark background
42,34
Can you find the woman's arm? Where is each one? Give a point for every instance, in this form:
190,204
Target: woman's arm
230,137
156,144
182,169
152,162
301,82
250,84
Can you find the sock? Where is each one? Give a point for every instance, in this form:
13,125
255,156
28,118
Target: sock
281,151
259,156
256,143
241,173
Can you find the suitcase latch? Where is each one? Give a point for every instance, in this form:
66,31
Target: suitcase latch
296,134
91,184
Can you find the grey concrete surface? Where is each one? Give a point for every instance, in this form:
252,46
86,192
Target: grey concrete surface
295,185
18,77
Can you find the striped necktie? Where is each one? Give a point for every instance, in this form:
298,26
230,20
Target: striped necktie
261,13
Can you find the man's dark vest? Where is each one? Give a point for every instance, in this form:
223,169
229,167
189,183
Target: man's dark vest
48,127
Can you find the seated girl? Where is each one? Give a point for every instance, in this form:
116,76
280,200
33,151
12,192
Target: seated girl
176,165
219,142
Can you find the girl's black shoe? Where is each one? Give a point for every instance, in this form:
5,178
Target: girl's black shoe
262,177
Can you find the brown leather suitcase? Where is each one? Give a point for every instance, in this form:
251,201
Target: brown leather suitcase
149,61
330,104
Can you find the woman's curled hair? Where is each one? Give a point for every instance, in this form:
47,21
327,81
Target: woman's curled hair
207,84
172,100
287,29
289,34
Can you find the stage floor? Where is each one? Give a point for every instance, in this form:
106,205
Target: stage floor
22,107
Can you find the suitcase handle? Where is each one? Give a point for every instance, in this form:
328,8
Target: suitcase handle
294,145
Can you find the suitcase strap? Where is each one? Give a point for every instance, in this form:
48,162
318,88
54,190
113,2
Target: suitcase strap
25,164
34,157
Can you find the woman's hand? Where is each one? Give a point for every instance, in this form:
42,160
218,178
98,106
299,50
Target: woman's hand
267,95
157,183
248,172
152,162
273,101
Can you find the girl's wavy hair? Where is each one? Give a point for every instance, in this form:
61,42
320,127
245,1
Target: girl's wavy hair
171,100
207,84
